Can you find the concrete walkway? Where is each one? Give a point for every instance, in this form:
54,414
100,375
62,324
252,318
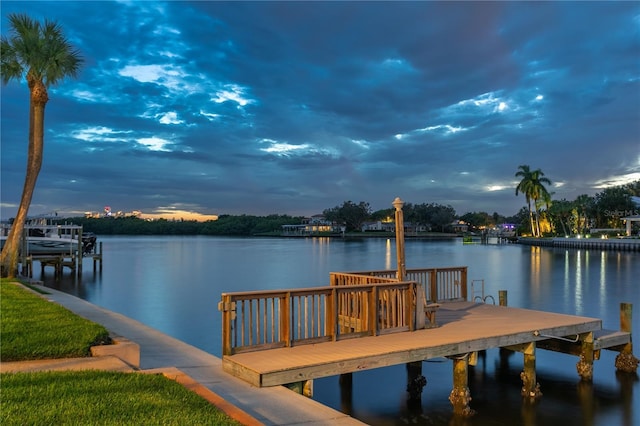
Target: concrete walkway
159,352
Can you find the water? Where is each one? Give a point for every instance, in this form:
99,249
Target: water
174,284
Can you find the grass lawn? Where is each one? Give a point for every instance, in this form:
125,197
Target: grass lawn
34,328
102,398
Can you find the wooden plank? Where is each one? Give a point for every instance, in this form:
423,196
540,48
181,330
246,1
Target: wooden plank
242,372
606,339
465,327
350,322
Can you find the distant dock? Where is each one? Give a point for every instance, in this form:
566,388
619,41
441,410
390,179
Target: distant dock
55,245
73,261
620,244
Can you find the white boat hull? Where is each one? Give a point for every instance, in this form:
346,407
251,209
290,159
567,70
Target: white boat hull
48,246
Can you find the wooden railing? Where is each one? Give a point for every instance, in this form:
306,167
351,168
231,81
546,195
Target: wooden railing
355,278
440,284
280,318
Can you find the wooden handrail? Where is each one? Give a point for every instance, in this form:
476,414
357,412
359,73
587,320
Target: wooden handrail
440,284
280,318
355,304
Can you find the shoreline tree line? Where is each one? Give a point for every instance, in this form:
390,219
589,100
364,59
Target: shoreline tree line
552,218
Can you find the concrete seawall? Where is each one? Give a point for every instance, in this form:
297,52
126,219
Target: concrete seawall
618,244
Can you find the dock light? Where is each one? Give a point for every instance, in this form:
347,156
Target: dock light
397,204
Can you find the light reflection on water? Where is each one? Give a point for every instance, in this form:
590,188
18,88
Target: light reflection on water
174,283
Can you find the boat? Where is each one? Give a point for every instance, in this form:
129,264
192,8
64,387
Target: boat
44,238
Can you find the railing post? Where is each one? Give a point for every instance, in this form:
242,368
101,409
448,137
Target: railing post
420,304
411,305
433,283
226,324
463,284
332,313
374,311
285,320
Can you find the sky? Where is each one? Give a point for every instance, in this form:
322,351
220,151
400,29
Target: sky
208,108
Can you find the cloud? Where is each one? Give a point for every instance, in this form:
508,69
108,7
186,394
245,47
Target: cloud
295,107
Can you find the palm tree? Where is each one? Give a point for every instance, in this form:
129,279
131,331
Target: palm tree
532,186
42,54
561,212
524,186
584,204
545,200
539,193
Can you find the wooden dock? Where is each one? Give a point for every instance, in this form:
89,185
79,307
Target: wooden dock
464,327
374,319
290,337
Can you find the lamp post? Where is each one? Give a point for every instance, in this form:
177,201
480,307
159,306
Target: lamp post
402,270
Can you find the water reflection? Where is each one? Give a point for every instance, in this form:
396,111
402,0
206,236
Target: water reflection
578,282
536,266
603,282
388,256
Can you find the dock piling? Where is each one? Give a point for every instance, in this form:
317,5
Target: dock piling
79,253
304,387
530,386
587,356
97,257
415,383
502,297
460,395
346,392
625,361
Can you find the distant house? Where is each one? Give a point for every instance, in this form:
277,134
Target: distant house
371,226
460,226
294,230
314,225
409,227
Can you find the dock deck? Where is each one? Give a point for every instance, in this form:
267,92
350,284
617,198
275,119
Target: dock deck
463,327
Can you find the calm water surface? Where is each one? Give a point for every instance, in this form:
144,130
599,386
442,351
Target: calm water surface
174,284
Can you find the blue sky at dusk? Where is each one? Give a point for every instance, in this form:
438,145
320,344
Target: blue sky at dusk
295,107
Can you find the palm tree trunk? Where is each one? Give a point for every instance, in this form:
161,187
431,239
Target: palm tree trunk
10,251
533,230
537,219
564,229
